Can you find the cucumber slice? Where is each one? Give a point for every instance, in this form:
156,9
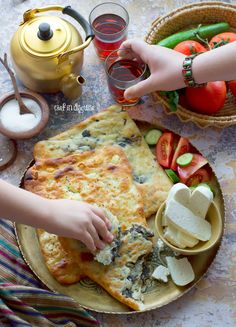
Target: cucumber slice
185,159
153,136
172,176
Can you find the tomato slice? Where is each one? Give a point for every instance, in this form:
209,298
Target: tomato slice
182,147
201,176
197,162
164,149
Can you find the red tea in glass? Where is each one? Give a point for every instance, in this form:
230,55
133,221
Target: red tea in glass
121,74
109,22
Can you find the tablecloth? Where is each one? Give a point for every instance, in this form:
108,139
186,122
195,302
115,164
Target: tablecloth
24,300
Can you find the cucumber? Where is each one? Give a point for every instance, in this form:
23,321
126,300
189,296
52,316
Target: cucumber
185,159
153,136
207,31
172,176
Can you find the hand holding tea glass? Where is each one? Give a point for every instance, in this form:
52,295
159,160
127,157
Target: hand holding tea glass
124,71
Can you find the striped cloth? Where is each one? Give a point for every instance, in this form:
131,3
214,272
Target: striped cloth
24,300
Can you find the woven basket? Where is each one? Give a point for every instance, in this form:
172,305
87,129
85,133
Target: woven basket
184,18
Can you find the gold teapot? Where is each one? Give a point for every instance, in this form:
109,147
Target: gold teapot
47,51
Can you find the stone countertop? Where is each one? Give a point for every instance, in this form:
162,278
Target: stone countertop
213,301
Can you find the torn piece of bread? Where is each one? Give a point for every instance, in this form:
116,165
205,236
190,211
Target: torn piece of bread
107,255
69,261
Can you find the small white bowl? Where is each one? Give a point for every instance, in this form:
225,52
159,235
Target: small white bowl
31,132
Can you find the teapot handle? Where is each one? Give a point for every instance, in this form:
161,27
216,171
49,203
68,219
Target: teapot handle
80,19
29,14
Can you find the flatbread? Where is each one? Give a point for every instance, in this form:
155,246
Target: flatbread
114,126
103,177
69,261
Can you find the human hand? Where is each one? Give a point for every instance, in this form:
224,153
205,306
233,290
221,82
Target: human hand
165,66
79,220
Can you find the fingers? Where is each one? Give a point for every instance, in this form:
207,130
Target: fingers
102,230
140,89
97,241
138,47
129,54
100,213
87,239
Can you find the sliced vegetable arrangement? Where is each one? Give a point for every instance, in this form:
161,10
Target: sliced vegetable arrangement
211,98
181,161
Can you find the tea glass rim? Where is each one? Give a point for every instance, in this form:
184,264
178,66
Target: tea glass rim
118,80
105,3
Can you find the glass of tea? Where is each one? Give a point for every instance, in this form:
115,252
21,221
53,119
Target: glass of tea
123,72
110,25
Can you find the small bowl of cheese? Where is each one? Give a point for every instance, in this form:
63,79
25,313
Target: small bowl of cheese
189,222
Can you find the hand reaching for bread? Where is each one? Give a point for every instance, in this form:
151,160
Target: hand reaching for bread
81,221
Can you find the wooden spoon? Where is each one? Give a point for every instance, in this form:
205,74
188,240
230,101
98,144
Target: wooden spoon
22,106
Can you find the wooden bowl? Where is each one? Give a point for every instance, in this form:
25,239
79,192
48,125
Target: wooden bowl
38,128
184,18
213,217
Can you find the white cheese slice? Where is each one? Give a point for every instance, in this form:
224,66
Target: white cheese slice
188,240
181,238
164,221
181,193
184,220
201,200
180,270
171,236
161,273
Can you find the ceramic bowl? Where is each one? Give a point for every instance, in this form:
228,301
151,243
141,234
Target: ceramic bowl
38,128
213,217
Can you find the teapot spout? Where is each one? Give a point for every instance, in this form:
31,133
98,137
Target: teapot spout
71,85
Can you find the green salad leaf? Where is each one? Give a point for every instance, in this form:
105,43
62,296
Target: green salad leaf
172,99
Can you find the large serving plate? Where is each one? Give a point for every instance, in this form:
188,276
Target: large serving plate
92,296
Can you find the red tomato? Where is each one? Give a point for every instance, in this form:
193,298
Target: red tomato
222,39
197,162
176,141
182,147
189,47
164,149
208,99
183,101
201,176
232,87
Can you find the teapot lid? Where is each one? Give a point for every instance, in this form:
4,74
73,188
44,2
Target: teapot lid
45,36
